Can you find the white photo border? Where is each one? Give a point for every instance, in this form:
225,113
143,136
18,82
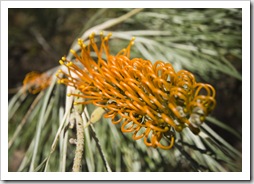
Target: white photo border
244,175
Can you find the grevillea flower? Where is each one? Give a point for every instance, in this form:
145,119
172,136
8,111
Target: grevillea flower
152,101
35,82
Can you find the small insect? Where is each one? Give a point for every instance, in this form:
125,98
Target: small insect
152,101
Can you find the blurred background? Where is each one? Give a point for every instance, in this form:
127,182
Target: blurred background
206,42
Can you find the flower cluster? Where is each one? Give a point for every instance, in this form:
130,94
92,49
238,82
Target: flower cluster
150,100
35,82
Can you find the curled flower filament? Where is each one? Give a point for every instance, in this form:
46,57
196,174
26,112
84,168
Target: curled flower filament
151,101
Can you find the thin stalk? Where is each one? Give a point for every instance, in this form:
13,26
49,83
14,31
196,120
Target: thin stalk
89,157
147,33
41,165
14,99
27,157
61,138
65,144
18,102
24,120
195,165
93,18
41,120
68,105
105,162
218,138
223,126
49,110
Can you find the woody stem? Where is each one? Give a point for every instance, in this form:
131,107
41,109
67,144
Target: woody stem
77,164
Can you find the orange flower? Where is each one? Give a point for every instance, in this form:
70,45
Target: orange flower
151,100
35,82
